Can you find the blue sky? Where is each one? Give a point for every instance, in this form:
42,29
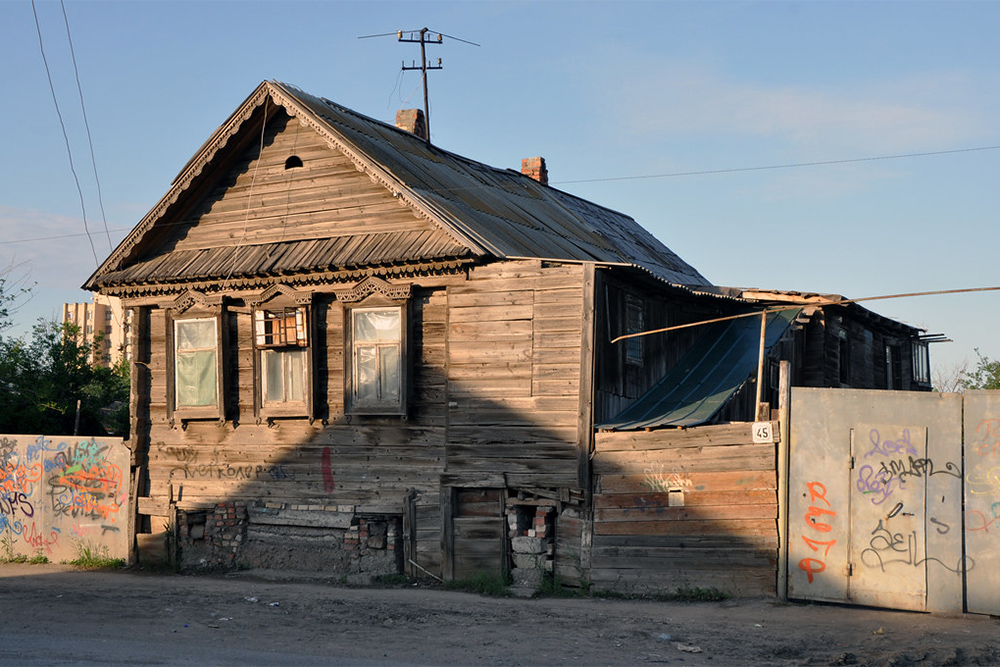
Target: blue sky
621,98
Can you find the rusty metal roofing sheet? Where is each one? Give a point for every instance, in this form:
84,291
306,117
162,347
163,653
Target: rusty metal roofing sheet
510,214
478,210
709,374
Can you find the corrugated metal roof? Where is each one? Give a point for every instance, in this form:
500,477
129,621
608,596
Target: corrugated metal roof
482,210
286,257
709,374
509,214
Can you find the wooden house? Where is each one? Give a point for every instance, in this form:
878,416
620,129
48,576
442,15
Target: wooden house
357,353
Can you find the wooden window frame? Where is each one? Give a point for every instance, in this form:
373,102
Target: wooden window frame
921,361
353,406
292,330
634,323
215,410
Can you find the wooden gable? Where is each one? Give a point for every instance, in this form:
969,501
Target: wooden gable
292,186
283,201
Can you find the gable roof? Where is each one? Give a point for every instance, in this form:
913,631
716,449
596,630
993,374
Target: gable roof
476,211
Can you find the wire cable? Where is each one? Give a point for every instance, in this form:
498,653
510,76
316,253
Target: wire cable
795,165
86,124
803,304
62,124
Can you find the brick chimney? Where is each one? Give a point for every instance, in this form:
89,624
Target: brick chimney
535,168
412,120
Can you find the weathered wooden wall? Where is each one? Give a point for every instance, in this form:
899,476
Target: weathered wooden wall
844,351
513,368
260,201
685,508
495,387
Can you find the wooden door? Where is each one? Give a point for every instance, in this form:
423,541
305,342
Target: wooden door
478,535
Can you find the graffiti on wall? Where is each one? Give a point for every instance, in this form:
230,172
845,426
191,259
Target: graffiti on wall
879,480
52,489
189,463
818,520
983,477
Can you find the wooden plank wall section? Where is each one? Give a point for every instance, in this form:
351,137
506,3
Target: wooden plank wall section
368,465
259,201
514,336
723,536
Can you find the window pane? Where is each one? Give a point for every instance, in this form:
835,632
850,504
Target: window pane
284,375
366,368
273,377
389,373
196,379
295,374
372,325
195,334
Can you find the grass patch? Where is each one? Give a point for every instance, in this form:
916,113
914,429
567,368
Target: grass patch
683,594
552,586
37,559
696,594
391,580
95,558
483,583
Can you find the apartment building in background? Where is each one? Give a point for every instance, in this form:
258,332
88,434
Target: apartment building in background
103,320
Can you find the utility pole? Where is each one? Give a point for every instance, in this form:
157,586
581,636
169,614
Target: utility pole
423,40
423,37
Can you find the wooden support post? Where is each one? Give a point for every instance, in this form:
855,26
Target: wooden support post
760,362
784,405
133,511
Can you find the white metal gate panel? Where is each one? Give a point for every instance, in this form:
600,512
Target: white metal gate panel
887,555
982,501
875,498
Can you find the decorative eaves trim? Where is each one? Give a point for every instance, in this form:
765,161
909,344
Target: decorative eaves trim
373,285
192,298
298,297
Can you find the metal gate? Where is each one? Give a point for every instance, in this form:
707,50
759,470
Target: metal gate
875,490
982,500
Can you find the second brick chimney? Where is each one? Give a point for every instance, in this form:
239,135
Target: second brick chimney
535,168
412,120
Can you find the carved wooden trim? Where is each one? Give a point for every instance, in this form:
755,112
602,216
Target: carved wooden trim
300,298
192,298
372,285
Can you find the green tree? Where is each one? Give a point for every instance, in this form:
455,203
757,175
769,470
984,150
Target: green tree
986,374
43,377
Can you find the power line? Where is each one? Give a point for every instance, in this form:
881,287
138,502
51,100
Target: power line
626,178
794,165
86,124
62,124
803,304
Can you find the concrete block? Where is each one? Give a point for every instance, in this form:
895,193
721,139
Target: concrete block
528,561
527,545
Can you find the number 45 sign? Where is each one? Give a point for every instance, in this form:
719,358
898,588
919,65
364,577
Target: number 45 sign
763,432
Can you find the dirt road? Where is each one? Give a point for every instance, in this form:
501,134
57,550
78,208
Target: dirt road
56,615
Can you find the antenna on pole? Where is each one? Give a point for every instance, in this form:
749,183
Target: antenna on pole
423,37
424,65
